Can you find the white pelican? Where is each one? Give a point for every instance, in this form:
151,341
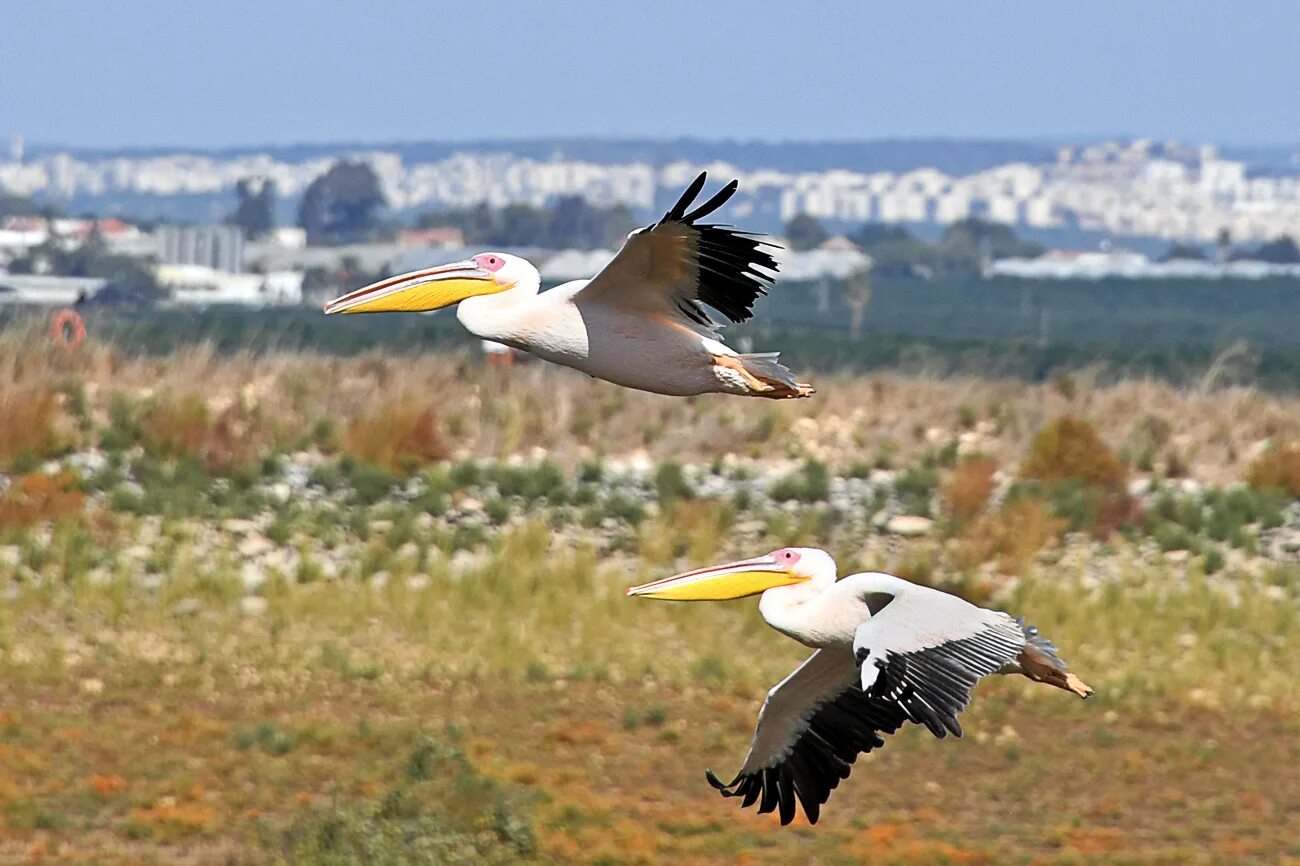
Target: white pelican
886,652
639,323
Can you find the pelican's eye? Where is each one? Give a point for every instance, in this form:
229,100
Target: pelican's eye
489,262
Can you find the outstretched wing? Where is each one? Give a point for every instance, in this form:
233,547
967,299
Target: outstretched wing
677,264
923,651
811,729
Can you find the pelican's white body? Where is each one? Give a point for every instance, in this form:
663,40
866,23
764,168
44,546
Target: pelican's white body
826,613
662,353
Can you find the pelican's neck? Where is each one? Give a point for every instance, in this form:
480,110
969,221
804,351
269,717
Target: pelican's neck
806,612
498,316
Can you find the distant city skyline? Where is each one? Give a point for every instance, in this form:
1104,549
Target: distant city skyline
151,73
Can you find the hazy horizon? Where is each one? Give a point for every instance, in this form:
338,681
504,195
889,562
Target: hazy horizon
1042,140
119,76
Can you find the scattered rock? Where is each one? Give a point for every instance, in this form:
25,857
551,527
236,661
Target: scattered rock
252,605
463,561
909,525
252,576
187,607
254,545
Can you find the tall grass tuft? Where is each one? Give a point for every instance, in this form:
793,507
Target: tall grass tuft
1011,538
399,436
967,489
172,427
34,425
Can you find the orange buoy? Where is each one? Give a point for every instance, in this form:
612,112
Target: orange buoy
67,330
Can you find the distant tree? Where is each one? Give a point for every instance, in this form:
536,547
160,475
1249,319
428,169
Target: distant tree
1279,251
570,223
343,205
1184,252
474,222
575,223
871,234
521,225
18,206
967,244
127,277
903,256
1223,244
857,296
805,232
255,210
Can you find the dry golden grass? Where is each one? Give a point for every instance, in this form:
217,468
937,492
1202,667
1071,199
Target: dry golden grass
484,412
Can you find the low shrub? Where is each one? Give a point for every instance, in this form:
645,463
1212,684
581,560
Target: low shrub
39,498
811,483
915,489
671,484
1278,468
1069,448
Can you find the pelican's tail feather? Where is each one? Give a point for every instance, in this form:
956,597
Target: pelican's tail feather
1039,661
776,378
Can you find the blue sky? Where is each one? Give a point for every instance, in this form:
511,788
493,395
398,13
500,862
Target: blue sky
118,73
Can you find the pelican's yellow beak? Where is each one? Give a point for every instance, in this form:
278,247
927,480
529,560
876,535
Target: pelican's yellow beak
721,582
419,291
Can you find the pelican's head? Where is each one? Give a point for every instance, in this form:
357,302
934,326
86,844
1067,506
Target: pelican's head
435,288
785,567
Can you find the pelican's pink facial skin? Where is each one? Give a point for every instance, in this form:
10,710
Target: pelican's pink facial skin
787,557
490,262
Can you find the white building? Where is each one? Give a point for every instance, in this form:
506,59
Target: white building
198,285
219,247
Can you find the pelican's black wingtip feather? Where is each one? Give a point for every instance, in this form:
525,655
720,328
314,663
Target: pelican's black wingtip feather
735,267
718,784
732,268
678,211
819,758
719,199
